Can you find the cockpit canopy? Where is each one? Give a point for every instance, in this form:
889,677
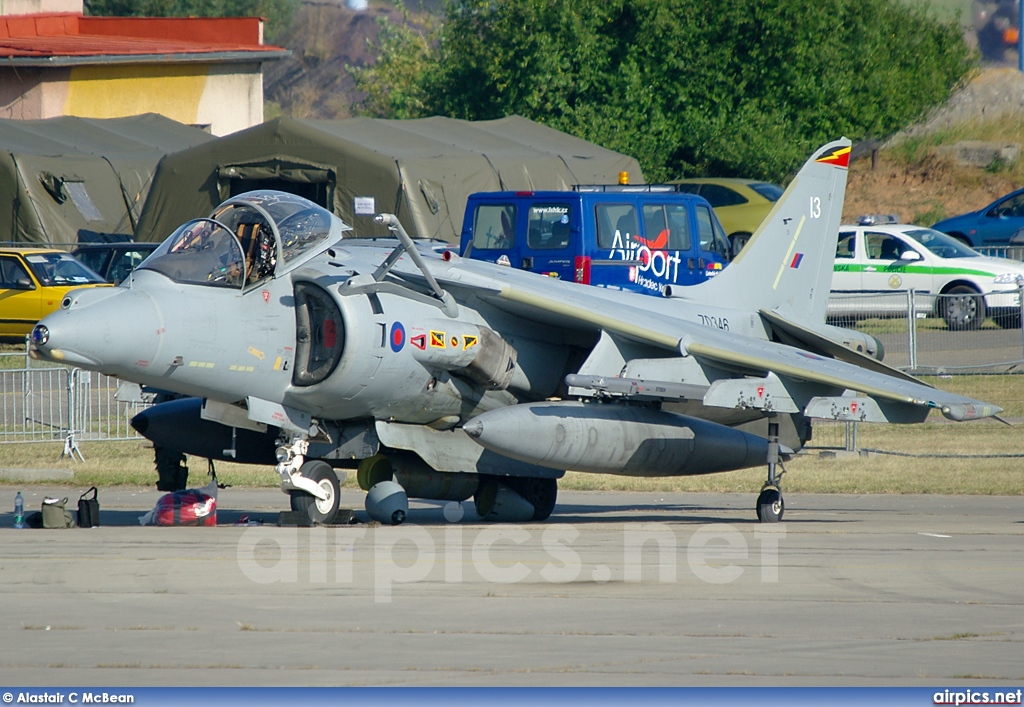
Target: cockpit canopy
246,240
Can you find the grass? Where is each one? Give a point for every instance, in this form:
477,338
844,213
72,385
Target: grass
961,471
131,464
124,464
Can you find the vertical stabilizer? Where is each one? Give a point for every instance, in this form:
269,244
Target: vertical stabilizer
787,264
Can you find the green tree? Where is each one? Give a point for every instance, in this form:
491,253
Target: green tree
398,86
278,12
686,86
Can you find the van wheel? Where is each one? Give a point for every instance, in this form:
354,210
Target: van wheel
963,308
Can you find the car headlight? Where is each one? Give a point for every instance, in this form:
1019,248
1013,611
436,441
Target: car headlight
1008,278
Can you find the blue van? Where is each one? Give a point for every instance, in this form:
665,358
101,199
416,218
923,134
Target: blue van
638,238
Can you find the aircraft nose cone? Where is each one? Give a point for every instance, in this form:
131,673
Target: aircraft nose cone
106,329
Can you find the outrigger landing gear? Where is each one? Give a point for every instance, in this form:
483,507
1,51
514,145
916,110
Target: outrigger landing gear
770,505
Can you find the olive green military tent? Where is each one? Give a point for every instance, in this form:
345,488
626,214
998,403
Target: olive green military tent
421,170
68,179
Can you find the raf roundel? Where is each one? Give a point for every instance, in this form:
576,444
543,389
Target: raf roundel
397,337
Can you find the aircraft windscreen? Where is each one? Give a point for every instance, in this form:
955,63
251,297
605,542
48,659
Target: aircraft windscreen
304,226
201,252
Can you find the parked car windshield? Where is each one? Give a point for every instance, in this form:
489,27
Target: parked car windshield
941,245
61,269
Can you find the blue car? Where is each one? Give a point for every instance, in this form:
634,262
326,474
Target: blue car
999,223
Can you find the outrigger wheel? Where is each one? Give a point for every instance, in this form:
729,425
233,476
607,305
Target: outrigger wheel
770,505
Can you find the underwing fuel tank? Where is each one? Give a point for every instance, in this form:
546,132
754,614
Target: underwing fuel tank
609,438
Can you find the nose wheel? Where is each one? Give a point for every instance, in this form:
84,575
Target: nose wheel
770,504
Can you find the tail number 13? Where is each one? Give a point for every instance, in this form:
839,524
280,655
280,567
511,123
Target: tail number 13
815,207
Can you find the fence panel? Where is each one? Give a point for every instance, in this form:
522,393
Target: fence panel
98,415
35,404
45,402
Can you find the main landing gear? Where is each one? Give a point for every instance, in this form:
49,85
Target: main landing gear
321,508
313,486
770,504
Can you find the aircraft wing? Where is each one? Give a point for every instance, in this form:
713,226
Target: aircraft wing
632,316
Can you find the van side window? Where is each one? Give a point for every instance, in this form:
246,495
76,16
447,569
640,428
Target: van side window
494,226
667,227
616,224
548,226
712,237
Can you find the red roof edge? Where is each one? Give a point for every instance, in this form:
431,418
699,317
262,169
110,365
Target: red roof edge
41,25
229,31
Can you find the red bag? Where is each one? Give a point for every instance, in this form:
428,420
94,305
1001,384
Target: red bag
189,507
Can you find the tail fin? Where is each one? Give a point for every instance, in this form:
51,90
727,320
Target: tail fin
787,263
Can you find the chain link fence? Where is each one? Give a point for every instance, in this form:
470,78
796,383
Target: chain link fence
965,343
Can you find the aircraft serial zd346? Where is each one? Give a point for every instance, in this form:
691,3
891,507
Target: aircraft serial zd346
456,378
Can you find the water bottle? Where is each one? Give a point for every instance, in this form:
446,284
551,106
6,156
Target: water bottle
19,511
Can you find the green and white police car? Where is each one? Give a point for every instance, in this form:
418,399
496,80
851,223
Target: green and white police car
949,279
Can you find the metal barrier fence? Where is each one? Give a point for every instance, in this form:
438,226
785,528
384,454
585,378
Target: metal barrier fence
1013,252
47,403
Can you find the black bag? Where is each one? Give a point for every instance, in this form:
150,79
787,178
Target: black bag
89,510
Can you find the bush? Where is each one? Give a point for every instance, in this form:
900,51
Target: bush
747,88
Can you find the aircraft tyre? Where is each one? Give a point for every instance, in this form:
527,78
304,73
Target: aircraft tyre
319,510
542,493
515,499
373,470
770,505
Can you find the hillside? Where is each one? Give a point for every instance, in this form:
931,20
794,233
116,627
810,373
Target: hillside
324,38
913,180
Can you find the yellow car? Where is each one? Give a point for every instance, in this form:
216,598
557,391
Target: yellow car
740,204
33,281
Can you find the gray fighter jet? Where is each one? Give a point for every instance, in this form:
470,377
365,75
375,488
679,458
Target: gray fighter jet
455,378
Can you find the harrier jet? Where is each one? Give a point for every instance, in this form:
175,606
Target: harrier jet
311,348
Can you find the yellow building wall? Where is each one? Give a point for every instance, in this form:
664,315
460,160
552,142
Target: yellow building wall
118,90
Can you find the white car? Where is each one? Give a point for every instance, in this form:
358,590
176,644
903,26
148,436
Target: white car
895,258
